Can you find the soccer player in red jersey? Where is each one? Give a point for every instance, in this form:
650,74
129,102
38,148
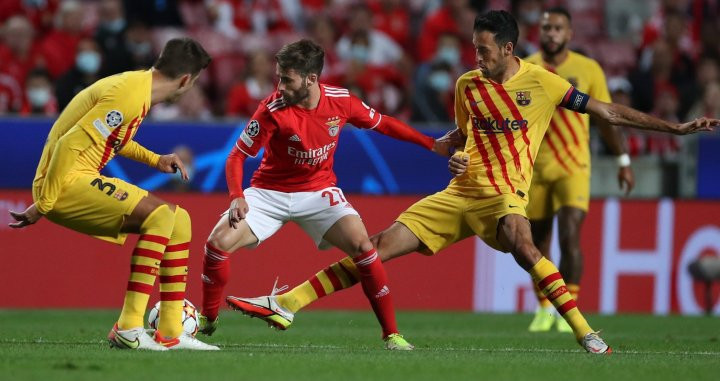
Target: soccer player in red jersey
299,126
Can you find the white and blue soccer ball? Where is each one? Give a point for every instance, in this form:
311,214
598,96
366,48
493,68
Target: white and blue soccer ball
189,317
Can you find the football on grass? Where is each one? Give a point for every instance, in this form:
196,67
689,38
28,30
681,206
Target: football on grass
189,317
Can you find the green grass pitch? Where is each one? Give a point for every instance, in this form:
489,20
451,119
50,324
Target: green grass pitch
56,345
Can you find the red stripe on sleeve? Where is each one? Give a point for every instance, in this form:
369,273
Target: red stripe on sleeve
109,143
139,287
317,286
566,98
549,279
478,141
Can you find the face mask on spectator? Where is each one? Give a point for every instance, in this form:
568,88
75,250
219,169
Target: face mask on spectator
35,3
440,81
88,62
359,53
449,55
38,96
114,26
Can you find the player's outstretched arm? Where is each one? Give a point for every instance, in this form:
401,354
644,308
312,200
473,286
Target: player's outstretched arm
170,164
620,115
233,175
396,129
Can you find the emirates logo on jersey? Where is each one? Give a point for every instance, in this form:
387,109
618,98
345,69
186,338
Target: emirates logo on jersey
523,97
333,125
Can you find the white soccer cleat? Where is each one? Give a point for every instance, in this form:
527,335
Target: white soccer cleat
135,338
184,341
593,343
263,307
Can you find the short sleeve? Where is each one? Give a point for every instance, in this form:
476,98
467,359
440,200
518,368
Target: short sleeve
113,109
598,84
555,86
257,132
461,112
362,115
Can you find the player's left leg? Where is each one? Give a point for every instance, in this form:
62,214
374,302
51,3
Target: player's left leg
514,235
570,221
349,235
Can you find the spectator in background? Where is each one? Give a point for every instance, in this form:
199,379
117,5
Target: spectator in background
709,104
245,96
110,36
154,12
528,14
321,30
10,95
392,17
192,106
39,97
261,17
379,49
652,143
671,17
57,47
453,17
40,13
435,82
138,41
620,91
18,53
84,73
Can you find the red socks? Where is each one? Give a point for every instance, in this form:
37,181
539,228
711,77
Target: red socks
374,283
216,271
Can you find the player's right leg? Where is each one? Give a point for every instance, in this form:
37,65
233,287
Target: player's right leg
514,235
544,318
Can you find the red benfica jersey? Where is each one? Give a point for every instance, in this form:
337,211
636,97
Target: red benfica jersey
300,143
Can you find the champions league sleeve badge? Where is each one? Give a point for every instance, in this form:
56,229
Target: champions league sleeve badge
114,118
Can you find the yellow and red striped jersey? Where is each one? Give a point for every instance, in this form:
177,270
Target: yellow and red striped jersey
505,124
565,148
110,111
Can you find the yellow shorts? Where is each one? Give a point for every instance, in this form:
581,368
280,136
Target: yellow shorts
547,197
444,218
95,205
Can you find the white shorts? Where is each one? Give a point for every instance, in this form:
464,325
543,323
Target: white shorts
315,212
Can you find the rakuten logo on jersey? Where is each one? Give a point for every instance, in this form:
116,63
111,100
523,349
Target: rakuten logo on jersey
311,156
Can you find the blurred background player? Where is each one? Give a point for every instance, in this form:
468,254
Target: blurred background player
69,190
299,125
561,177
488,196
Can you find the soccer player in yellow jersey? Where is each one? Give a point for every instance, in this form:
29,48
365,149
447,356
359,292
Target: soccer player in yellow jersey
69,190
503,109
561,177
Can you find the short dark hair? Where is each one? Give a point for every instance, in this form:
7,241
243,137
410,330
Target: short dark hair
182,56
303,56
558,10
500,23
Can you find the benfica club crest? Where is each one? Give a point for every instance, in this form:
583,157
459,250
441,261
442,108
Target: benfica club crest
333,125
523,98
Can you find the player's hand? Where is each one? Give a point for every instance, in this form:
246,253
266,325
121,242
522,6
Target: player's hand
30,216
458,163
452,140
697,125
170,164
238,211
626,179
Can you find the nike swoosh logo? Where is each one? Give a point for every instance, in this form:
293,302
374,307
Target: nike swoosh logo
512,206
130,344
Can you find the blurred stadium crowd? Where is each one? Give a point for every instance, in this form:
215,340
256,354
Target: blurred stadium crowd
401,56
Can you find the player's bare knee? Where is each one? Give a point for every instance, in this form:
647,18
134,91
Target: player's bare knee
526,255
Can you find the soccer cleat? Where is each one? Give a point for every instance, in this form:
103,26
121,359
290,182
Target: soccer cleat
396,342
562,325
184,341
265,308
543,320
206,326
135,338
593,343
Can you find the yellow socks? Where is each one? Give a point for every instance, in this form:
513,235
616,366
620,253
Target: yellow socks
338,276
173,276
548,279
144,264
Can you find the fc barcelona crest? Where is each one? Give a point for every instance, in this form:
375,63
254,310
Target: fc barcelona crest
333,125
523,98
